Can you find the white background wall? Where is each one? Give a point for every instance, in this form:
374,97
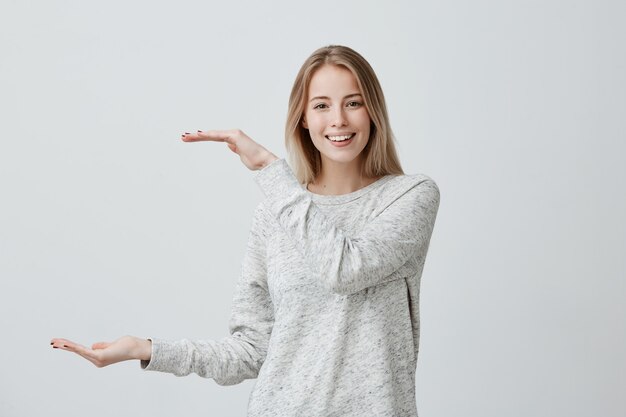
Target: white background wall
111,225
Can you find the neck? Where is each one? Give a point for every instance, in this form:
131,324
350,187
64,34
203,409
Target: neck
339,178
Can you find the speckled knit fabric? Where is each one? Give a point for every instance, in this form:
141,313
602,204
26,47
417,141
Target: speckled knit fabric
326,310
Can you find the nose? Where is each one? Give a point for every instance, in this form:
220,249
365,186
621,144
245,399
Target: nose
338,117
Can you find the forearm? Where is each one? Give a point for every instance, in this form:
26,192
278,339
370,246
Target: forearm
350,262
228,361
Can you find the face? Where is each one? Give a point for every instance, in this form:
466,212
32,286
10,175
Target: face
333,111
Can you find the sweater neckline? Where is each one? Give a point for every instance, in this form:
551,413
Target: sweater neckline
344,198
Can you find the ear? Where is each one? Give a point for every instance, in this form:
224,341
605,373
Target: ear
304,125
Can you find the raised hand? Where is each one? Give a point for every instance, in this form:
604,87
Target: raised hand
253,155
107,353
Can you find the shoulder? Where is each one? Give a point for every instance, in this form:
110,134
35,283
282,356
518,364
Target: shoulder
414,179
411,193
414,184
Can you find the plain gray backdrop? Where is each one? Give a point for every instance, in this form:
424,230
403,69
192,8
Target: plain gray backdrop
111,225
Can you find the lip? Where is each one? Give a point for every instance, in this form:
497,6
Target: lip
339,134
341,144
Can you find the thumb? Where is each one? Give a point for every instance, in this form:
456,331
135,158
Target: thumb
100,345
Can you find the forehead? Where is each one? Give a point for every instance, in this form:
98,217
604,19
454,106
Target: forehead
332,80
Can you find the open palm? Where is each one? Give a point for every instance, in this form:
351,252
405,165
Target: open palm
106,353
253,155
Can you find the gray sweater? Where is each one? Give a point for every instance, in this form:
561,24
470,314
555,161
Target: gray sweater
325,314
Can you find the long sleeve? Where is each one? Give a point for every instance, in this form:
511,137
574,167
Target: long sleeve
348,264
240,355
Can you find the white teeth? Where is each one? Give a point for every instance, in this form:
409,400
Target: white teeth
340,138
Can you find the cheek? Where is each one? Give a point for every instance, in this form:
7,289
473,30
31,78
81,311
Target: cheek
315,122
363,120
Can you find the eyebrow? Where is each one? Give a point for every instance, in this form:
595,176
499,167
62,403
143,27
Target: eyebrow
328,98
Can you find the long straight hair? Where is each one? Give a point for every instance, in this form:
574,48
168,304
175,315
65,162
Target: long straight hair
379,155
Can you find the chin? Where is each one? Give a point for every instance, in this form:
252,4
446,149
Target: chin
341,157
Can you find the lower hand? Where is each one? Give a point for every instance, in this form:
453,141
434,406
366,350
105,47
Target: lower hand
107,353
253,155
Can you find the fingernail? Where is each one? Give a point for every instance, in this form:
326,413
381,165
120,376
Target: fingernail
199,130
187,133
55,347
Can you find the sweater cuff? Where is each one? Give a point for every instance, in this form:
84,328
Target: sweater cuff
277,180
163,352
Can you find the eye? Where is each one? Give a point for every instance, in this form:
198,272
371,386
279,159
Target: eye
354,104
319,106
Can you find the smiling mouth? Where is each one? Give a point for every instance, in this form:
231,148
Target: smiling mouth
340,138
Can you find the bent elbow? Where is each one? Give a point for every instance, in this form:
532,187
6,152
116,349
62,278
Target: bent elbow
227,381
236,376
234,379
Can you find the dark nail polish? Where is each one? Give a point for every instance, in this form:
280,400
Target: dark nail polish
199,130
187,133
55,347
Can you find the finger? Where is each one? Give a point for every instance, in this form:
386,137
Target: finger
232,147
66,344
70,346
190,137
208,135
74,347
59,342
229,136
85,352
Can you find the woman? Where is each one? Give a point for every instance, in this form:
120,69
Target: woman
325,314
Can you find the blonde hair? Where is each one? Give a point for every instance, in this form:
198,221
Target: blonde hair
379,155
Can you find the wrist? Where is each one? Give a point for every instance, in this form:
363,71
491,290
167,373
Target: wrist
143,349
268,160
